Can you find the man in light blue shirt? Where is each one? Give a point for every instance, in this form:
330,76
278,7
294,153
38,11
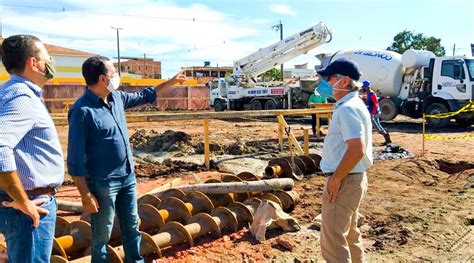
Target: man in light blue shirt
347,154
31,160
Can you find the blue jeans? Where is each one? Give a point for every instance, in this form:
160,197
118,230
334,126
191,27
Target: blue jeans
24,242
115,195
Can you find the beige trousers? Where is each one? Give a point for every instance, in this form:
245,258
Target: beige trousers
341,240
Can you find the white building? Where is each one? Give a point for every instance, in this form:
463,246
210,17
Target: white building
300,71
68,64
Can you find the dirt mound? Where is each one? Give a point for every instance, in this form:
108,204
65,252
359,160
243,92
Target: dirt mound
236,148
144,108
167,168
389,232
169,141
239,147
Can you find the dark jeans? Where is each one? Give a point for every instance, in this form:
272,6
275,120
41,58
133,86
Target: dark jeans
24,242
117,195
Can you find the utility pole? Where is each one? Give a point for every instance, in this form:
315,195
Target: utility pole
454,49
279,27
144,66
118,48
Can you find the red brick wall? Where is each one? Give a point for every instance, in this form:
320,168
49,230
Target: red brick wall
178,98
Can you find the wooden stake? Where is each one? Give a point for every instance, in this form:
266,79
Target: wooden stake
423,147
206,144
306,141
318,125
291,138
280,136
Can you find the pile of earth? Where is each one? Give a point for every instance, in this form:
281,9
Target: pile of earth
167,168
390,231
144,108
181,143
240,148
169,141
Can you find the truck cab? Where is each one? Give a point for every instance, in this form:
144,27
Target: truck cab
452,88
454,79
218,94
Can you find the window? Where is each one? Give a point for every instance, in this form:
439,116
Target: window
470,68
453,69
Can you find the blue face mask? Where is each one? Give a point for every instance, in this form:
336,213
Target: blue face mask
327,90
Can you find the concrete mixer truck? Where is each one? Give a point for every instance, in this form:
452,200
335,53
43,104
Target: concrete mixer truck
416,82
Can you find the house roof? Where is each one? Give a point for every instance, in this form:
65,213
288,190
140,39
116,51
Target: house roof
207,68
57,50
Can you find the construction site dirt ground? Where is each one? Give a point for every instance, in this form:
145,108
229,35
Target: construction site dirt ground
416,209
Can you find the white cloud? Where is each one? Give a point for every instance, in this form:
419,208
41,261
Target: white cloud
177,35
182,35
283,10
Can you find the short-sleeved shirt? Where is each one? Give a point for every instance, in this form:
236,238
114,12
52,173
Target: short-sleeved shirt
350,120
317,99
29,143
98,147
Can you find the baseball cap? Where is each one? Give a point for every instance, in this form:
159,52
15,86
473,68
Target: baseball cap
341,66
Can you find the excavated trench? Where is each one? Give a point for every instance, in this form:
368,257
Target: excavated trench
454,167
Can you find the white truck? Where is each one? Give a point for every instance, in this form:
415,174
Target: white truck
416,82
241,90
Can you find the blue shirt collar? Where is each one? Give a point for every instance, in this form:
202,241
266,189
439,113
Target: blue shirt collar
97,99
346,97
92,96
35,88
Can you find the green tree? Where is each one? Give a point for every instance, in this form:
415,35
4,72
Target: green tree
272,74
410,39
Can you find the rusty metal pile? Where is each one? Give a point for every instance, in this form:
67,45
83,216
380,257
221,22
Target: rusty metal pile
172,218
178,216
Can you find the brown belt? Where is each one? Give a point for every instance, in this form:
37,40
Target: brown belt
43,191
329,174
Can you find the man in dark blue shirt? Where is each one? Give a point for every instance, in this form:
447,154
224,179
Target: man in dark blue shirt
100,158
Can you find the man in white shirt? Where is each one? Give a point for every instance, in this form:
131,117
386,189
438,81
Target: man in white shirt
347,154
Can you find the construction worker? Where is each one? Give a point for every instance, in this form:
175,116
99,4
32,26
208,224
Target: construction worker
347,154
31,159
372,103
100,158
315,99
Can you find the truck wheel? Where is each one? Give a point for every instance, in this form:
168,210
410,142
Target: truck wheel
465,122
388,108
270,105
437,108
256,105
218,105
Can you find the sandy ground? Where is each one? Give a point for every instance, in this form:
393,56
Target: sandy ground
417,209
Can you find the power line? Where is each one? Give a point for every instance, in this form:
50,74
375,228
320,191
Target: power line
89,11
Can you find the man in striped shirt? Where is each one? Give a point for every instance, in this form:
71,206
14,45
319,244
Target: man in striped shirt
31,160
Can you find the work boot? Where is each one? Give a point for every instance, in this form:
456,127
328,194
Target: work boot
387,139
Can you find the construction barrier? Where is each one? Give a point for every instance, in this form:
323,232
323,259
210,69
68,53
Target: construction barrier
468,108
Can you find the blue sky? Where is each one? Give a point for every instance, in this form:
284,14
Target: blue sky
186,33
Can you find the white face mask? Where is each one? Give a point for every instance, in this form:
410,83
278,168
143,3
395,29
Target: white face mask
114,83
